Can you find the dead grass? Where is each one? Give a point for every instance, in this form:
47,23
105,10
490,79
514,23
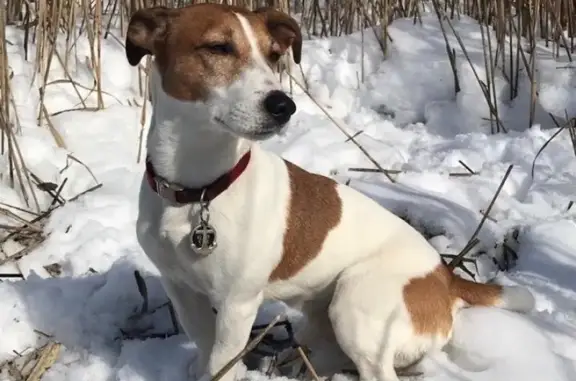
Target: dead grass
52,28
32,364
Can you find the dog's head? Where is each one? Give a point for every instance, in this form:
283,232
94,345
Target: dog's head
220,57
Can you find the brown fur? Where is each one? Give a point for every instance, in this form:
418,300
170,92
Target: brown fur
476,294
182,41
315,209
430,300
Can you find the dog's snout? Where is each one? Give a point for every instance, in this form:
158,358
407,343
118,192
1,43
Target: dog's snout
279,105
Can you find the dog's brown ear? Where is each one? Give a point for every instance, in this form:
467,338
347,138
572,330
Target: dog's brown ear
284,29
147,27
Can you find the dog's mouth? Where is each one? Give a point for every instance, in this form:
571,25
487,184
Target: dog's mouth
261,134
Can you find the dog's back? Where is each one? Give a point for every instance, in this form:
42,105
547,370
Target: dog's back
229,224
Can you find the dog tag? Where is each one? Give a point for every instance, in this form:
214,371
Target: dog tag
203,238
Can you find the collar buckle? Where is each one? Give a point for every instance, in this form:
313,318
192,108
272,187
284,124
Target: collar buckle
166,190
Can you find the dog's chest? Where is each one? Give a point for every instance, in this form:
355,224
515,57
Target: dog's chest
205,273
241,259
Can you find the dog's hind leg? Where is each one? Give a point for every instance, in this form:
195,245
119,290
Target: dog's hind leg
364,313
318,335
372,324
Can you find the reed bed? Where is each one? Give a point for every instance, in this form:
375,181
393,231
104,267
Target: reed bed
511,30
53,27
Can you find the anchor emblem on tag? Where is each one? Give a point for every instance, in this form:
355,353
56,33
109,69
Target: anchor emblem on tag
203,236
203,239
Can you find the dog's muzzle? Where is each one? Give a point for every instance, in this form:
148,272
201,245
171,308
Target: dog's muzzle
279,106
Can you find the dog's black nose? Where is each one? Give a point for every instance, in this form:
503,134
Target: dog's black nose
279,105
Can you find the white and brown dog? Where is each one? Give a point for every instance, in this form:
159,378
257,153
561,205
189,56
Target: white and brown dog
275,230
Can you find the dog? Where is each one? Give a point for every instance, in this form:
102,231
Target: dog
229,225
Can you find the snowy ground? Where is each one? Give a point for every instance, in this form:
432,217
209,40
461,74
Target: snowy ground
411,122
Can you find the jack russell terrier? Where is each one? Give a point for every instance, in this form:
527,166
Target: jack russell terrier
230,225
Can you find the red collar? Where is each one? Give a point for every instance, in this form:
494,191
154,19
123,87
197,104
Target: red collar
183,195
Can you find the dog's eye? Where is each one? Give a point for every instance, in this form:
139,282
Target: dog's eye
220,48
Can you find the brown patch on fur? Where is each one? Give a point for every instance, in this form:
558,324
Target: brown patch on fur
429,302
187,42
430,299
285,33
315,209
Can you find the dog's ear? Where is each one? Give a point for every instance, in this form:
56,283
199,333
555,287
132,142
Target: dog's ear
284,29
147,27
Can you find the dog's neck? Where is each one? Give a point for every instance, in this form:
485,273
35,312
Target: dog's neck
184,146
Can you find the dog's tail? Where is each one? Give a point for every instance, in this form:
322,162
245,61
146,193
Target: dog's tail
513,298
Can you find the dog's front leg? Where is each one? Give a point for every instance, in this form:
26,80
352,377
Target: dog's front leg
234,322
195,314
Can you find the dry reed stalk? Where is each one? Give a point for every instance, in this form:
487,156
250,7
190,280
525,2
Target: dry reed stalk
384,21
485,89
147,95
53,131
44,20
364,14
532,70
93,34
343,130
97,58
37,37
337,18
5,205
285,6
572,130
307,363
16,166
457,261
70,25
4,83
17,218
66,73
571,126
49,33
489,64
20,168
449,50
362,63
48,356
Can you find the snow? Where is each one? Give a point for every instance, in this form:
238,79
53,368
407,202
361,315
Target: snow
408,118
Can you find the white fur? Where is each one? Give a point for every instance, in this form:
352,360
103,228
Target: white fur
516,298
237,107
356,281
